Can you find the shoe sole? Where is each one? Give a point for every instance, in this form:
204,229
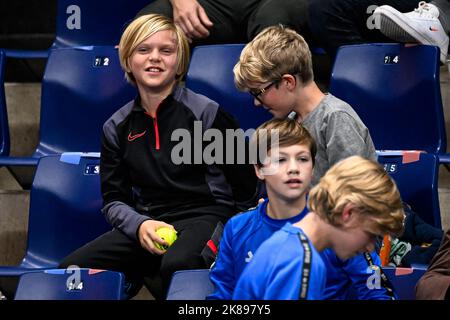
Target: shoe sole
390,28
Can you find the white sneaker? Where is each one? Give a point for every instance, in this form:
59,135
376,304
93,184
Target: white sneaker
421,25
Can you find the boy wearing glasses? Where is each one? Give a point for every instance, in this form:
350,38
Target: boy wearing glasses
276,68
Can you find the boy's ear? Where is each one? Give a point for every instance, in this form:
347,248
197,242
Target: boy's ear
290,81
259,171
348,213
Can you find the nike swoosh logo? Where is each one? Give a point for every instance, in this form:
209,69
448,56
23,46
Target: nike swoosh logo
433,29
135,136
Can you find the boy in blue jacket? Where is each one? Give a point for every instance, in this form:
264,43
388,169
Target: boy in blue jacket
287,195
354,202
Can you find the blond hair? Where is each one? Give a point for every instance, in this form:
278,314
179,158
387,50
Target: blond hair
274,52
289,133
366,185
144,27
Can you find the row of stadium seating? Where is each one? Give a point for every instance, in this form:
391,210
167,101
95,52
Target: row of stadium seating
404,115
88,284
65,214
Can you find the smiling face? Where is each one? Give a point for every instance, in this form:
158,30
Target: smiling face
153,62
288,173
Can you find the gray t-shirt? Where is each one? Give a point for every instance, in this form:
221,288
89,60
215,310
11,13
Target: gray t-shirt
339,133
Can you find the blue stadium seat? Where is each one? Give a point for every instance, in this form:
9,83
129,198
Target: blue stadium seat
87,22
64,214
81,89
416,175
190,285
395,90
404,280
78,23
4,124
211,74
71,284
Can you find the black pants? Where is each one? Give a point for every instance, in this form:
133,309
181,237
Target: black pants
115,251
340,22
239,21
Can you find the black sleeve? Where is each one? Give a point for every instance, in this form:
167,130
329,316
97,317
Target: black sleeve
116,187
115,183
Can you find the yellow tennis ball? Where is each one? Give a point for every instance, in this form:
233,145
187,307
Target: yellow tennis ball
167,234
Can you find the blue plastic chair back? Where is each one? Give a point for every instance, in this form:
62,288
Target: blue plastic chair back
71,284
211,74
4,125
78,23
404,281
85,22
396,92
65,210
82,88
190,285
417,182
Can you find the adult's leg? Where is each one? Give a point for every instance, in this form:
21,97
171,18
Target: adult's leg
224,14
159,6
339,22
116,252
291,13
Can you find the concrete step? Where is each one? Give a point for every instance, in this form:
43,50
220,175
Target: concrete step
23,102
7,181
13,225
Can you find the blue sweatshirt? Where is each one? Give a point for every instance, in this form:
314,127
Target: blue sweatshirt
282,268
244,233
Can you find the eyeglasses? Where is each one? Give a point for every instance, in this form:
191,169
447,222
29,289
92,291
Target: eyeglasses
259,92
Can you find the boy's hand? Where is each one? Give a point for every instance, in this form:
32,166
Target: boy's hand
148,236
192,18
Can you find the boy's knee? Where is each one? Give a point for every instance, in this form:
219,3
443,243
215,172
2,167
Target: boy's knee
74,260
173,263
